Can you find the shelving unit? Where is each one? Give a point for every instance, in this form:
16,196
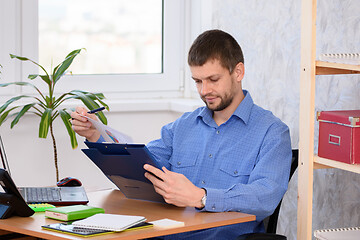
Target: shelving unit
307,160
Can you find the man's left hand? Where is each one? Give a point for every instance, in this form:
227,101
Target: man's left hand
175,188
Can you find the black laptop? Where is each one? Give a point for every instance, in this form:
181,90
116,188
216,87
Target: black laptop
54,195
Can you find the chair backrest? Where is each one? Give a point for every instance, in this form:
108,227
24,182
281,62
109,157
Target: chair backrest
271,221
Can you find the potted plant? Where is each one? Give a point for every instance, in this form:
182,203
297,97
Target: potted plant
48,106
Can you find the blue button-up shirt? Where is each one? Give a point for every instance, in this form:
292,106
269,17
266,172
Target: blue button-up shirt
243,164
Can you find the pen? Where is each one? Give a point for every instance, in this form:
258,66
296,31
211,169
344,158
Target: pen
96,110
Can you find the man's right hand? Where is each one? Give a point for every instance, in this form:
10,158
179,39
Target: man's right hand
83,126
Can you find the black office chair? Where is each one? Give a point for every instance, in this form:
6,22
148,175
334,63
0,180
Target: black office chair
271,221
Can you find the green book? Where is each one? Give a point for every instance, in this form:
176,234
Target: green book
74,212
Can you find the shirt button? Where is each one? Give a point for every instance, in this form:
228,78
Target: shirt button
235,172
203,182
213,207
210,155
178,163
217,132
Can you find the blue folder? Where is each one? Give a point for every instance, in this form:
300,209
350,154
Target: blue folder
123,165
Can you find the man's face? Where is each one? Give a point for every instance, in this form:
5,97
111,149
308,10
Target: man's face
216,86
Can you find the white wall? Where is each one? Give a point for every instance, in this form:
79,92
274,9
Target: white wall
31,159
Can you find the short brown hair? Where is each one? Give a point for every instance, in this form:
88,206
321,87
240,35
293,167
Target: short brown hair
215,44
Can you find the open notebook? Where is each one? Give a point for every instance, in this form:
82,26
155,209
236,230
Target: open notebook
109,222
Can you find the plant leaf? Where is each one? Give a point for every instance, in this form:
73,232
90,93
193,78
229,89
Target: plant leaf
48,101
45,78
99,95
8,102
102,117
65,116
99,98
93,96
5,114
62,67
45,123
17,83
32,76
28,59
3,117
20,58
21,113
90,104
104,104
22,84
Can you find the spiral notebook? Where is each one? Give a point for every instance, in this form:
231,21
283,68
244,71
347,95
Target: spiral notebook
352,233
109,222
345,58
67,227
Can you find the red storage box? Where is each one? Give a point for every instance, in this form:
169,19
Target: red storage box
339,135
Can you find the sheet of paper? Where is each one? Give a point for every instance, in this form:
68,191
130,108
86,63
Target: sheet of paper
167,223
108,133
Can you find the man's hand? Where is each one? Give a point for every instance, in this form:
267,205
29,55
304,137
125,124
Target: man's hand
83,126
174,187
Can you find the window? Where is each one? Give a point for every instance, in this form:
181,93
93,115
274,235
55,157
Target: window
164,80
129,32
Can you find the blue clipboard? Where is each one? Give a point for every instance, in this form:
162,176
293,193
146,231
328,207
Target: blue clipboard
123,165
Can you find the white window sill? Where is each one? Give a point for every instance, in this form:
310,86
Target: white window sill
138,105
144,105
147,105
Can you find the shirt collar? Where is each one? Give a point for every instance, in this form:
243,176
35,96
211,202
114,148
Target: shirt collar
242,111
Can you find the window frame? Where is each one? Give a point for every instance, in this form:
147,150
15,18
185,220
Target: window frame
167,84
193,17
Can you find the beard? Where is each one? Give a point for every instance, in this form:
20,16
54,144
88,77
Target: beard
225,101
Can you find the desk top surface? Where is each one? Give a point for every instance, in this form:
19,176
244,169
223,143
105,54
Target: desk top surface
113,201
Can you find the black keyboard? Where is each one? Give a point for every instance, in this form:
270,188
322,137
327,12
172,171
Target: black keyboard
43,194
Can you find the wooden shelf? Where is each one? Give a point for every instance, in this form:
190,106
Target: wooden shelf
320,162
329,68
307,160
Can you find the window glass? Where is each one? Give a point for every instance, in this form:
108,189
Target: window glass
120,36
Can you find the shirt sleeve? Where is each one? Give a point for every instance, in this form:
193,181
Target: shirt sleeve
100,140
267,182
162,148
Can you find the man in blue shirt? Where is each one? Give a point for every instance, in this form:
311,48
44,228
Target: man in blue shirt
230,155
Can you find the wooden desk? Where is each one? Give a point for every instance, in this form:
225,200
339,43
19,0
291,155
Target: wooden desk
113,201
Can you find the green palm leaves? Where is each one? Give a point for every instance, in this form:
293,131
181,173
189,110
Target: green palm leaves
48,106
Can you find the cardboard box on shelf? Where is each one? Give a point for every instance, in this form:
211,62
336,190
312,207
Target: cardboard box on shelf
339,135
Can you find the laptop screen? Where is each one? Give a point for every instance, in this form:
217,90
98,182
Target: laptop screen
4,161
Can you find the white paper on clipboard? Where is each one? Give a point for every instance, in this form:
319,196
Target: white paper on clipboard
109,134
